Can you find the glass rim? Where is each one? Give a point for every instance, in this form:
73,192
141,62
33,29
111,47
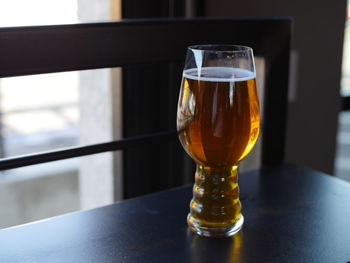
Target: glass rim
228,48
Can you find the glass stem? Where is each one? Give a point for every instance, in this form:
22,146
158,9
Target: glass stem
215,202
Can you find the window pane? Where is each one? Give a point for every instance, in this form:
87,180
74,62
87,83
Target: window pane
39,112
50,111
37,12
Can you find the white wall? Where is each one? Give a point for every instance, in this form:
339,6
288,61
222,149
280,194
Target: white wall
100,177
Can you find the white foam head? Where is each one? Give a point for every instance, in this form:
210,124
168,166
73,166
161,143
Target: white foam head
219,74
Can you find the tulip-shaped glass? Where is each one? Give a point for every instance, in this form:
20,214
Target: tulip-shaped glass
218,123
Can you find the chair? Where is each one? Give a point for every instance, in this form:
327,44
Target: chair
132,44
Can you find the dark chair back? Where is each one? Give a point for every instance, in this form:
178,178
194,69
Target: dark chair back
132,44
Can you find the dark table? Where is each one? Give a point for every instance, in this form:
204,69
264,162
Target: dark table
292,214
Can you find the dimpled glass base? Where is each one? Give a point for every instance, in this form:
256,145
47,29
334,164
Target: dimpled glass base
214,231
215,209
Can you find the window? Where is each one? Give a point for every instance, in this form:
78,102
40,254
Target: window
44,112
342,161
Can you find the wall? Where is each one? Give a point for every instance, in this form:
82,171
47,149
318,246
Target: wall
317,51
100,178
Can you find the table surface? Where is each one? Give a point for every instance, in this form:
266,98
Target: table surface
292,214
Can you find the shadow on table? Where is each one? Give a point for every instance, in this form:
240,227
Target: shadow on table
226,249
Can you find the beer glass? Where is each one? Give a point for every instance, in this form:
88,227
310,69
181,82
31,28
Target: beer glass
218,124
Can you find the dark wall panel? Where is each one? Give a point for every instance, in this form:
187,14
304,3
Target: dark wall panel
317,55
150,94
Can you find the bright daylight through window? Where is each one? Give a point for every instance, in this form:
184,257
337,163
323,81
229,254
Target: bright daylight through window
38,113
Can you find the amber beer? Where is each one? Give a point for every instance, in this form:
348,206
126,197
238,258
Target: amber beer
218,124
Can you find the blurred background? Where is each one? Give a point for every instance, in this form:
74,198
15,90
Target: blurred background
51,111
